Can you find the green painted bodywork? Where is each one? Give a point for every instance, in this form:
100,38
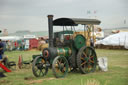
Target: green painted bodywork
66,51
79,41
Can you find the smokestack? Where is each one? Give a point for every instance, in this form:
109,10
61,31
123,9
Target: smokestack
50,29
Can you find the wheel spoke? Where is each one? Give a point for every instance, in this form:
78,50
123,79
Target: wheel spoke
91,61
83,63
40,73
60,61
84,54
57,65
91,56
82,58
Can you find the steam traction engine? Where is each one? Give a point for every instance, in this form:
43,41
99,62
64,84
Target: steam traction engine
68,49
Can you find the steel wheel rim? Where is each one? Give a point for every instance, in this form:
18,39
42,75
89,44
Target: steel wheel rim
87,60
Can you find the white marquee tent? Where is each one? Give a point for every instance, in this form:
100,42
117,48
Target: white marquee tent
119,39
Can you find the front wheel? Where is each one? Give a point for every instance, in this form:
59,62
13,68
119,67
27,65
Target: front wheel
39,67
60,67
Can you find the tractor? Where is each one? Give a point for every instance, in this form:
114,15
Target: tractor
68,49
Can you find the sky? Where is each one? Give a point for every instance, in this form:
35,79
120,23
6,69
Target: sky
16,15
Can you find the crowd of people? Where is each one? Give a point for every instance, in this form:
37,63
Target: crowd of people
13,45
9,46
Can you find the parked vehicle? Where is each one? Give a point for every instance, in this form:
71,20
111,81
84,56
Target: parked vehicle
68,48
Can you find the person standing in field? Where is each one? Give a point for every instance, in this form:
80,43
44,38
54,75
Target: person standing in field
3,58
16,45
23,45
1,50
4,42
9,45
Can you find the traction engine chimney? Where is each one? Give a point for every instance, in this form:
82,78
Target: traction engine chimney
50,29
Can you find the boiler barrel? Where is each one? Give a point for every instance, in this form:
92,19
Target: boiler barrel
64,51
53,52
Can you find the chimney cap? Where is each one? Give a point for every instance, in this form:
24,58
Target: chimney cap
50,16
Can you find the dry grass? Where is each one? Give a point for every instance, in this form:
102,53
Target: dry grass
90,82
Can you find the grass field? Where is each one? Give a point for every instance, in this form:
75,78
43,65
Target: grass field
117,73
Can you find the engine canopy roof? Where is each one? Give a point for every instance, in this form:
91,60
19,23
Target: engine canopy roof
75,21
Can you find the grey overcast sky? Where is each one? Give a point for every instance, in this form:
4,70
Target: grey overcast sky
32,14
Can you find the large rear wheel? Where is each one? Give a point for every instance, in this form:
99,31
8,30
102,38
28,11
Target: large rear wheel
86,60
60,67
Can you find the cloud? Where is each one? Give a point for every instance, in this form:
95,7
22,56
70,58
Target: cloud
15,23
32,14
